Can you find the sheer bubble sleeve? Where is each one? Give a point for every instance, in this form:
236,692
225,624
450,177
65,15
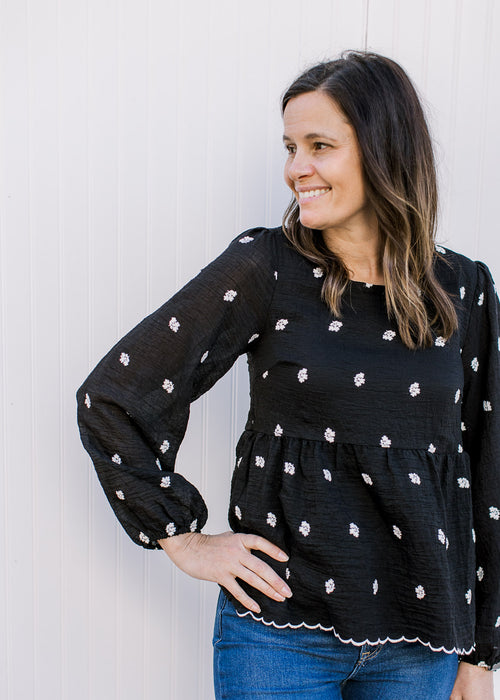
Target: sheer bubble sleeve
133,409
481,439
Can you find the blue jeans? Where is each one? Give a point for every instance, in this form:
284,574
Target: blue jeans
253,660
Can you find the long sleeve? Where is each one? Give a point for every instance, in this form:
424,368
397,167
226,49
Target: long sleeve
133,409
481,424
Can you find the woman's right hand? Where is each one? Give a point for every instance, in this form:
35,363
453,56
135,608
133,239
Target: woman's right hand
224,558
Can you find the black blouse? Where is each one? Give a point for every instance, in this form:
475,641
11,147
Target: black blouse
375,467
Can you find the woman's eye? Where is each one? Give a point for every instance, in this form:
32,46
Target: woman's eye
320,146
289,148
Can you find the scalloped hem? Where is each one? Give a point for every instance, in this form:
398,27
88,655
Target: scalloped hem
455,650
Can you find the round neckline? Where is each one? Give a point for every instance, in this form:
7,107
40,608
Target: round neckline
366,285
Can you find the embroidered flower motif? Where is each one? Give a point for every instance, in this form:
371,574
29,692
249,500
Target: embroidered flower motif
480,299
397,532
480,573
158,463
368,285
462,292
431,448
420,592
204,356
304,528
440,342
441,250
318,272
414,478
271,519
468,597
281,324
260,462
165,482
239,461
124,359
170,529
174,324
375,587
116,459
353,530
327,474
287,573
389,335
359,379
278,431
237,512
330,585
463,482
168,386
120,495
473,535
264,375
414,389
367,479
474,364
246,239
497,623
487,406
457,396
329,435
335,326
276,274
494,513
462,427
194,525
289,468
385,441
302,375
441,536
460,449
254,337
230,295
164,446
88,403
144,538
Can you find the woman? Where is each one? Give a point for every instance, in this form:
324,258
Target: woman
363,559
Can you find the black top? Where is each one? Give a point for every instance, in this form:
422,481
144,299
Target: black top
376,467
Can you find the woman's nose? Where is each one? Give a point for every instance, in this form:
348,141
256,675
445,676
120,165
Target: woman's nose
301,166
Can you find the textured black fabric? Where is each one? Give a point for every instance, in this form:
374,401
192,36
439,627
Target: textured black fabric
374,466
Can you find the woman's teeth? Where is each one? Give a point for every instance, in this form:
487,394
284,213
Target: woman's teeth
312,193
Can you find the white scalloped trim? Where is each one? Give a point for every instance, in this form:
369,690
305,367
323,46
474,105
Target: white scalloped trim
351,641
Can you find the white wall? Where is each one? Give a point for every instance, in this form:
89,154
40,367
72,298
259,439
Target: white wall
137,137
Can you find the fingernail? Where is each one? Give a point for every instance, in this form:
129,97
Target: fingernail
286,591
255,608
283,556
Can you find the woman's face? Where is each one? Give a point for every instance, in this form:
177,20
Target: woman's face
323,168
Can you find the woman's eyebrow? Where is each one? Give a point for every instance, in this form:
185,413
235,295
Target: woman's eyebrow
313,135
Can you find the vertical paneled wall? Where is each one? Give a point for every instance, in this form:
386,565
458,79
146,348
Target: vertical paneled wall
136,140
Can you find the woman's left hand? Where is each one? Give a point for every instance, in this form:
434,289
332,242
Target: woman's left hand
473,683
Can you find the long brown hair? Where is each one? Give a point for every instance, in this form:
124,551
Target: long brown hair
381,104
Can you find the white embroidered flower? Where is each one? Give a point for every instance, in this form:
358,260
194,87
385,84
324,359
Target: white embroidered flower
330,585
468,597
462,292
375,587
239,461
494,513
289,468
389,335
174,324
168,386
304,528
480,299
420,592
335,326
441,250
260,461
237,512
463,482
385,441
88,403
414,389
367,479
462,427
278,431
474,364
441,536
254,337
204,356
329,435
440,342
431,448
473,535
302,375
460,449
246,239
480,573
397,532
276,274
318,272
487,406
327,474
124,359
116,459
368,285
165,482
230,295
414,478
265,374
158,463
281,324
353,530
271,519
144,538
170,529
120,495
447,543
359,379
287,573
164,446
194,525
497,623
457,396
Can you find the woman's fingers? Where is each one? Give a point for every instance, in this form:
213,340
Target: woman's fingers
258,571
263,545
